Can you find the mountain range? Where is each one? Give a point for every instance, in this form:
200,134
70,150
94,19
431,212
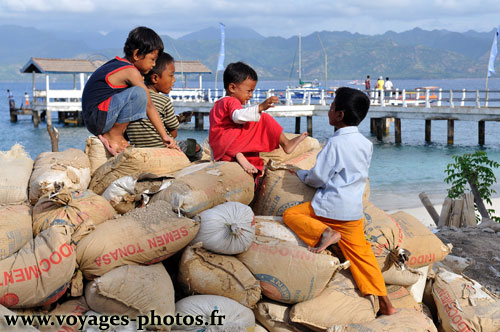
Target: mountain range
416,53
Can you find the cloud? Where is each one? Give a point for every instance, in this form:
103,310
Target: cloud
269,17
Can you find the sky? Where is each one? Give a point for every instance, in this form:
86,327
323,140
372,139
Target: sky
283,18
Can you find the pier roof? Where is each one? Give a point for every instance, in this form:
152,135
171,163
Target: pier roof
60,66
191,67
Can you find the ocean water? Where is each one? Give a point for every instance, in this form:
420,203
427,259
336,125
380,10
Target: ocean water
398,172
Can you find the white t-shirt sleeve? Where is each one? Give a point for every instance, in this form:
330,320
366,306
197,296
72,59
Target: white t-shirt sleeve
246,114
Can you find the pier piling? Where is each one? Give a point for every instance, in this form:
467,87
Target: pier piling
297,125
397,130
480,132
451,130
428,131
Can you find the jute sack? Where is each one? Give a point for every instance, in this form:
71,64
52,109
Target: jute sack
274,227
143,236
206,273
397,276
134,161
20,327
15,228
238,318
281,188
80,210
277,267
406,320
97,153
71,168
280,155
74,307
276,317
39,273
16,166
400,230
401,297
208,186
132,290
463,305
227,228
425,247
340,303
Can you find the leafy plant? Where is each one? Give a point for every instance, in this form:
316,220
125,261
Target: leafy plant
476,171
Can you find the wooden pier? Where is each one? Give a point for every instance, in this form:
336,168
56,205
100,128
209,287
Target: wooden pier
477,106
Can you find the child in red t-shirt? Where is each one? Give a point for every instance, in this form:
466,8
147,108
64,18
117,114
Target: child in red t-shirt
240,133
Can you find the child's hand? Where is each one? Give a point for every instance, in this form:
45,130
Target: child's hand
268,103
170,143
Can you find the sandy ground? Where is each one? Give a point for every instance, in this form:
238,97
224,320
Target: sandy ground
480,245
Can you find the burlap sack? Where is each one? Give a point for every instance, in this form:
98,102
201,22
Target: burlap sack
39,272
387,232
397,276
70,167
16,166
274,227
280,156
81,210
340,303
97,153
463,305
73,307
134,161
277,267
425,247
237,317
400,297
276,317
406,320
143,236
281,188
208,186
206,273
132,290
15,229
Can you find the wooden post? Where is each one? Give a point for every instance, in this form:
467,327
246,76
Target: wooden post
198,120
397,130
297,125
373,125
380,130
429,207
445,212
12,111
310,125
54,137
451,130
480,131
452,104
428,130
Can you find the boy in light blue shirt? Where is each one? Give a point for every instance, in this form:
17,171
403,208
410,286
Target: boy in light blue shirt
336,212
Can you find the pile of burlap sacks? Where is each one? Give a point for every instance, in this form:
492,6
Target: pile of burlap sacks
84,233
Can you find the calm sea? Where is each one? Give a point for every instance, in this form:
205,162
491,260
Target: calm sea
398,173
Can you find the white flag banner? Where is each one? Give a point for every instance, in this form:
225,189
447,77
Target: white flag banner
493,54
220,64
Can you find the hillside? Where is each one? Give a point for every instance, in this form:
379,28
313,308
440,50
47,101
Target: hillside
416,53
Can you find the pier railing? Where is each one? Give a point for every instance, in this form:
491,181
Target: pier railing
419,97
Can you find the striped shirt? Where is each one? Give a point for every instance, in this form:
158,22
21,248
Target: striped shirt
143,134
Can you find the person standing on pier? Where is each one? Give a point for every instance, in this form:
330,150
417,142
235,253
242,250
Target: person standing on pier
388,87
380,86
10,97
368,83
336,212
239,133
115,94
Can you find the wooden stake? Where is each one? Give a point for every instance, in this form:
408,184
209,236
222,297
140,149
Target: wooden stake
429,207
445,212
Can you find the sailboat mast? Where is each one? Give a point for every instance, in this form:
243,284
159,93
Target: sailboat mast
300,58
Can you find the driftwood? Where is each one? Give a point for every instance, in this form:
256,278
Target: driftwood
54,137
429,207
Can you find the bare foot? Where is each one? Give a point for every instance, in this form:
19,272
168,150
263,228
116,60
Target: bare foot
386,307
328,237
249,168
290,145
113,144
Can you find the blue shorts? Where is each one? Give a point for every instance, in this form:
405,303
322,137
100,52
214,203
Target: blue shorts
126,106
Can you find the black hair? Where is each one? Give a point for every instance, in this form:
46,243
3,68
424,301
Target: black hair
387,78
163,60
354,103
144,40
237,72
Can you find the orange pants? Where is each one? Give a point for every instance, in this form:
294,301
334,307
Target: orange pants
364,267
